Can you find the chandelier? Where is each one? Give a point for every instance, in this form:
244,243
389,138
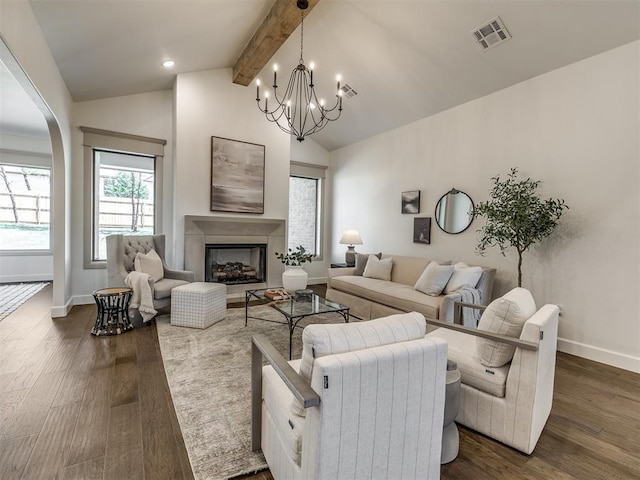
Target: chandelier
298,111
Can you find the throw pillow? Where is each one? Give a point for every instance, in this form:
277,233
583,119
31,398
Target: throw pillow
150,263
463,276
361,262
506,316
319,340
376,268
434,279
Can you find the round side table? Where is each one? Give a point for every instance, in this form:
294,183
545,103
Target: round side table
113,311
450,435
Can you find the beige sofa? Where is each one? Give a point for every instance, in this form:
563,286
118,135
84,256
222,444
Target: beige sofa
370,298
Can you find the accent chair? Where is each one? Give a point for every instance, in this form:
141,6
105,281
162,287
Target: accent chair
365,401
507,366
121,254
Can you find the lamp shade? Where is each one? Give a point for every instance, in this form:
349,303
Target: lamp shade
351,237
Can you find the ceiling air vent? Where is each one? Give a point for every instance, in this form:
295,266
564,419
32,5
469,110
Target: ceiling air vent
348,91
491,34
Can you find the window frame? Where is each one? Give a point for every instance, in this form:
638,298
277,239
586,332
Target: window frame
31,160
116,142
313,172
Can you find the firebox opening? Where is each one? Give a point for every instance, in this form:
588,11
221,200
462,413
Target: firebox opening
234,264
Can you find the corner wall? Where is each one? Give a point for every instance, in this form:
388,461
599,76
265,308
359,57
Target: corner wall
39,75
576,129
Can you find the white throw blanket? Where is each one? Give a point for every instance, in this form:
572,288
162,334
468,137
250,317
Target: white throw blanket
142,298
470,316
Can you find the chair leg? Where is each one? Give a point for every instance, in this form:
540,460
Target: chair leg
256,398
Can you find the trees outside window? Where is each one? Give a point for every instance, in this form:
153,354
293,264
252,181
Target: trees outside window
124,185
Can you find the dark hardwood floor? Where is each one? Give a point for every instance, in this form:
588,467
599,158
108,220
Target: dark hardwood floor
75,406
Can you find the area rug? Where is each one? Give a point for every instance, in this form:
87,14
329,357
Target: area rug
209,375
12,295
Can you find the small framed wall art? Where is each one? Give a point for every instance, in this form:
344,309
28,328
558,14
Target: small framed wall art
422,230
237,176
411,201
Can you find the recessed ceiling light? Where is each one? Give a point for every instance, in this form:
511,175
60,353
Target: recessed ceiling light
168,63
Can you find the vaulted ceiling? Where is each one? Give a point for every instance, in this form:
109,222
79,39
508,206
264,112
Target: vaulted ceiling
407,59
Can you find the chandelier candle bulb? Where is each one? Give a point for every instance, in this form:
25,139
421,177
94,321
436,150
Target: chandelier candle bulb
275,73
311,66
258,90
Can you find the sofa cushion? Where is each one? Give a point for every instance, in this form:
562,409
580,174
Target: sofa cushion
463,276
396,295
376,268
491,380
162,288
406,270
277,399
319,340
434,279
361,262
505,315
150,263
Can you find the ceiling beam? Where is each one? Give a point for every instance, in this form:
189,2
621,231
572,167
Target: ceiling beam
278,25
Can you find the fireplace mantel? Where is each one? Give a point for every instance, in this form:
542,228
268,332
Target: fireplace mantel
202,230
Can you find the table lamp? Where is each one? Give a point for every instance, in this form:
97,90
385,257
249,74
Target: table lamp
350,238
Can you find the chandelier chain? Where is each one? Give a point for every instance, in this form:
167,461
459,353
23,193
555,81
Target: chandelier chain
301,35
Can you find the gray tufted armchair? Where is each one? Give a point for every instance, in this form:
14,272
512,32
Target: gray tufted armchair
121,252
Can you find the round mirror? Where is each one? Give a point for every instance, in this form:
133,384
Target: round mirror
454,211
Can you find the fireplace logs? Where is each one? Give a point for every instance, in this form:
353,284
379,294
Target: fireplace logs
233,272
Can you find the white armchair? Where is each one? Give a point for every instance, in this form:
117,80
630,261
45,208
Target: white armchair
373,408
121,253
510,402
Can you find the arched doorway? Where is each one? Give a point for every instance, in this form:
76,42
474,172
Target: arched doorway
58,215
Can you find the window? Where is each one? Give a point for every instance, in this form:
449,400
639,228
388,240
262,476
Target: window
25,207
123,187
305,207
123,175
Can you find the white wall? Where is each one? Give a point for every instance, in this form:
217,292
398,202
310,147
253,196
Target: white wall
577,130
37,73
145,114
209,104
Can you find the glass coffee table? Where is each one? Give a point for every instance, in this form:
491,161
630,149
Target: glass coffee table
294,310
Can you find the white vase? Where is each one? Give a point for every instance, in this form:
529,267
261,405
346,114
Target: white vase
294,278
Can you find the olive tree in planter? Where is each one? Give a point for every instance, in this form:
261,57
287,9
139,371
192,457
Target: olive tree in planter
516,216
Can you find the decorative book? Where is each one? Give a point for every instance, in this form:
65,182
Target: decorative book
277,294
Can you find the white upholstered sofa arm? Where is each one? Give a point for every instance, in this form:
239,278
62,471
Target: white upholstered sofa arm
338,272
261,347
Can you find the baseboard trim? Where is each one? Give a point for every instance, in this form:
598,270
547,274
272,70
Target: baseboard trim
608,357
34,277
82,299
61,311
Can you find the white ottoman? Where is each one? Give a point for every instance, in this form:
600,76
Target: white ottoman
198,304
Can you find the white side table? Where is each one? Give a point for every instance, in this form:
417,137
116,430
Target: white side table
450,436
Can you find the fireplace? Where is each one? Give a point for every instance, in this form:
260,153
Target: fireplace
235,264
200,231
